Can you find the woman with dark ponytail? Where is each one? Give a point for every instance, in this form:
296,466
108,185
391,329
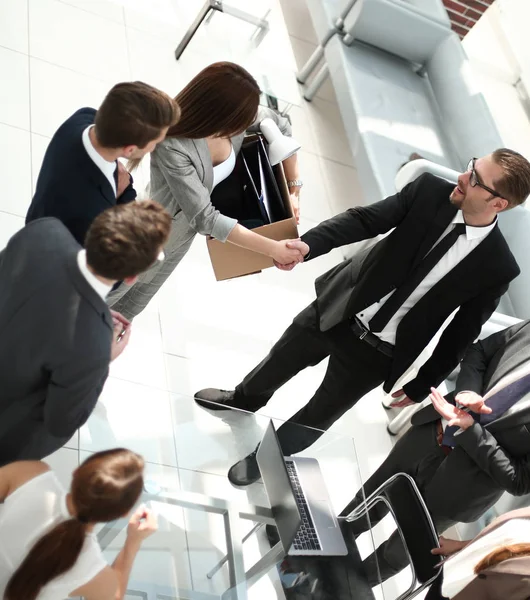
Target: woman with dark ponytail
493,566
48,550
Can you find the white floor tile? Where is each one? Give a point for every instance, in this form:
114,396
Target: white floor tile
39,144
102,8
9,225
302,130
14,25
50,109
328,129
79,40
298,20
14,93
131,416
142,361
16,165
342,185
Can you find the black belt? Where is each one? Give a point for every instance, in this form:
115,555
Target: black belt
371,339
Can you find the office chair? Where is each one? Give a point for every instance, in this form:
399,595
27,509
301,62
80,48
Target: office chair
414,524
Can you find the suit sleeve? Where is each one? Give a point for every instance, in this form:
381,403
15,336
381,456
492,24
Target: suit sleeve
363,222
454,341
478,357
510,473
72,394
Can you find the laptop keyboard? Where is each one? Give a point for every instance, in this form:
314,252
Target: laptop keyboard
306,538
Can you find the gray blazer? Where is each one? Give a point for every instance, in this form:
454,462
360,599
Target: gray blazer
182,181
55,337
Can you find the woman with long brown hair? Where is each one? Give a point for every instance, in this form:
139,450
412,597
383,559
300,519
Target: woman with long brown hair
495,565
217,107
48,549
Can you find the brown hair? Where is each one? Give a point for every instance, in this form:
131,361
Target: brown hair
134,113
104,487
514,186
501,554
125,240
222,101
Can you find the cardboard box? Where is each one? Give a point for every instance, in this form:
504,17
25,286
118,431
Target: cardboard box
229,260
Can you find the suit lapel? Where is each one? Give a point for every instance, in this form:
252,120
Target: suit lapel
88,292
98,178
444,216
201,147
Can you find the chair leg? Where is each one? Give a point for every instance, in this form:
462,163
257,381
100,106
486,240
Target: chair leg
310,65
319,79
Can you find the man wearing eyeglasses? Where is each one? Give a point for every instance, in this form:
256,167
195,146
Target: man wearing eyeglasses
376,312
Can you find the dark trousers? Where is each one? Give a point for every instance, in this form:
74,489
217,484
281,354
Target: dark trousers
417,453
354,369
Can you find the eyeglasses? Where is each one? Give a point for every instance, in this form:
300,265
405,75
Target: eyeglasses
473,179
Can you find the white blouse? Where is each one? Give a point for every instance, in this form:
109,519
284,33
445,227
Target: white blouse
459,569
224,169
25,516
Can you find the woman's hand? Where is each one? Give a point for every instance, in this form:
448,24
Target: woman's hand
448,546
283,255
142,524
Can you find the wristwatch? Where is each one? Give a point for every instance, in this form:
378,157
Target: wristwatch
295,183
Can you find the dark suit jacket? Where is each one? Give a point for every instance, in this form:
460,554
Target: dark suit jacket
490,459
420,214
70,186
55,338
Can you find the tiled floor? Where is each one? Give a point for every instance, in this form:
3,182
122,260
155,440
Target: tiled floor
59,55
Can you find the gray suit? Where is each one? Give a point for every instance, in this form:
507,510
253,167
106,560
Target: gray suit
182,181
486,461
55,338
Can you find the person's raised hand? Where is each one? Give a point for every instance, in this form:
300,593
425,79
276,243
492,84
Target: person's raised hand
403,402
120,338
452,414
142,524
474,402
448,546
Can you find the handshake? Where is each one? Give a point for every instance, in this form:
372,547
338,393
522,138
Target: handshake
288,253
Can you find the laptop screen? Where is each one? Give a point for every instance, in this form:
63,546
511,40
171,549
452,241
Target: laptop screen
278,487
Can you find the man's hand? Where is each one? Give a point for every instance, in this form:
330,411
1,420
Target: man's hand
448,546
119,318
120,339
295,204
474,402
453,414
287,252
124,179
406,401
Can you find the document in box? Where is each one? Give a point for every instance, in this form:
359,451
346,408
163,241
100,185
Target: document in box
264,197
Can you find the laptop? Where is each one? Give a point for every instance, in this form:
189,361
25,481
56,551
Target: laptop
299,500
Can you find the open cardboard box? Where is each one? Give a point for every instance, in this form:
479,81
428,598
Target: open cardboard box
229,260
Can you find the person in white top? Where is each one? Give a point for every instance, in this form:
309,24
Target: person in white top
496,564
48,549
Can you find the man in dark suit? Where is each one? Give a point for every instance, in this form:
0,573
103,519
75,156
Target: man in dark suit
81,175
57,335
374,314
464,461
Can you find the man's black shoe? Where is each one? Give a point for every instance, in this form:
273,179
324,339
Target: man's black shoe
214,399
245,471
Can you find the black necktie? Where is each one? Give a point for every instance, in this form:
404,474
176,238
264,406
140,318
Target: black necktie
391,306
116,176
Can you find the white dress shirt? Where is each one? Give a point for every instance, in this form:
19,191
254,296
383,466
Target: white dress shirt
458,251
106,167
459,569
102,289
